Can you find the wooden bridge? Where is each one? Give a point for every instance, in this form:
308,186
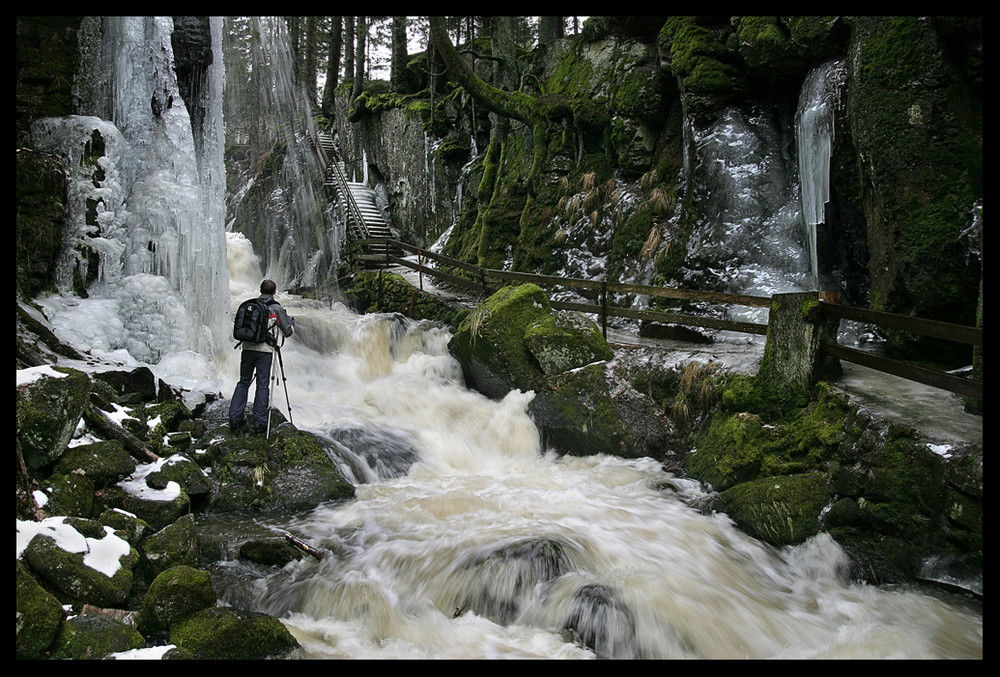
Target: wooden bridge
373,245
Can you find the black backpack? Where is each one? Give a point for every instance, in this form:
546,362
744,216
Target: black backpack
251,323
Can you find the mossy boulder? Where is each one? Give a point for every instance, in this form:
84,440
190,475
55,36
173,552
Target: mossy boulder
93,637
87,564
175,594
104,462
288,470
490,343
157,507
385,292
514,341
70,494
900,510
173,545
223,633
181,470
38,615
48,410
782,510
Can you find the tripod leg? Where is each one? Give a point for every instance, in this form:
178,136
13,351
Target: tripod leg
270,393
284,381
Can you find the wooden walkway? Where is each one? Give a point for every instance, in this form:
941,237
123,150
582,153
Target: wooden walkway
365,222
484,281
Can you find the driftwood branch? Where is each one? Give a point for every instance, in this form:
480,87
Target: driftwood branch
304,547
105,426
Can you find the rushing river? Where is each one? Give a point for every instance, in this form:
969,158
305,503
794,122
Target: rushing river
467,539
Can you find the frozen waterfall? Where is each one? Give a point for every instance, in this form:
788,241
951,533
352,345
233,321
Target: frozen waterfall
146,197
814,131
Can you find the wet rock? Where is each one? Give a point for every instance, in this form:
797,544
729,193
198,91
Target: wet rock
174,545
93,637
231,634
38,615
65,564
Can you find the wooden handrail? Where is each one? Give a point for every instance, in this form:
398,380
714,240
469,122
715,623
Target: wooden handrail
953,332
934,328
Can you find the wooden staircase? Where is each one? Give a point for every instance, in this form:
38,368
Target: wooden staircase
357,201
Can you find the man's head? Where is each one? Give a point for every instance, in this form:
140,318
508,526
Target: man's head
268,287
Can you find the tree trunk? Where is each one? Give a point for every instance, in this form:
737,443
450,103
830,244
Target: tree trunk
309,60
397,77
332,68
515,105
360,46
349,48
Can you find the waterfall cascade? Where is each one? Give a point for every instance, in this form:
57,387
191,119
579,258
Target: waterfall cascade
467,538
814,130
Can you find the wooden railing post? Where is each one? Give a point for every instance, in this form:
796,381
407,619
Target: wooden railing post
604,309
796,327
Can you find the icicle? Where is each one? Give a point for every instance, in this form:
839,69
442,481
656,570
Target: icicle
814,124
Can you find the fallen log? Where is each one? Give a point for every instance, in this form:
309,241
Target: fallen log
105,426
304,547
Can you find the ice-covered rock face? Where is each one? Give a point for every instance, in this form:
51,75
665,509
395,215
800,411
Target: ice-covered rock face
146,205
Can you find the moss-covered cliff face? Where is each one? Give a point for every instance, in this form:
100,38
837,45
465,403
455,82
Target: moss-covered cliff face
914,113
47,59
608,167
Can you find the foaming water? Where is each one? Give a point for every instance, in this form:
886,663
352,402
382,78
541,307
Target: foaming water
487,545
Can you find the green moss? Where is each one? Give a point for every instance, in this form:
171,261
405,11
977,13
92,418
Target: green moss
740,446
39,615
781,510
229,634
495,330
698,59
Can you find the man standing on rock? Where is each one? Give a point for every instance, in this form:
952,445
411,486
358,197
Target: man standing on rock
256,360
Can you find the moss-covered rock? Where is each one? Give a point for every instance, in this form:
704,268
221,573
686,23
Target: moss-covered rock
385,292
172,546
38,615
915,116
513,341
878,488
70,494
67,567
577,416
288,470
155,507
490,342
231,634
104,462
47,412
94,637
175,594
782,509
